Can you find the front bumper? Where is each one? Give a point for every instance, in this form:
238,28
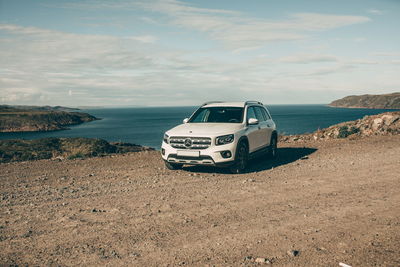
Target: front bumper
208,157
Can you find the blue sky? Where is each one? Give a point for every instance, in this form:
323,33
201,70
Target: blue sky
169,52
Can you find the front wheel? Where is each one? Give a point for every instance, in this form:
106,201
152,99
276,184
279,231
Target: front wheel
273,148
241,159
173,166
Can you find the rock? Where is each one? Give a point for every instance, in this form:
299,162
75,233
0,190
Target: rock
377,123
293,253
262,260
27,234
134,255
388,119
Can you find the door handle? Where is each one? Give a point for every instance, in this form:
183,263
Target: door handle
268,125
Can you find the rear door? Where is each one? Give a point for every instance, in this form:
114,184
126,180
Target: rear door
264,134
270,124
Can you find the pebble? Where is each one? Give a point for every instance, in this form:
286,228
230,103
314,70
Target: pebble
96,210
262,260
248,258
134,255
293,253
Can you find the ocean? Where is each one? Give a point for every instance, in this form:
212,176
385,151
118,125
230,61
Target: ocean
146,126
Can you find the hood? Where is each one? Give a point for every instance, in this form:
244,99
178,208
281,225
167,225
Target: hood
204,129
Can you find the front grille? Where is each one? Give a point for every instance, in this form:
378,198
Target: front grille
183,142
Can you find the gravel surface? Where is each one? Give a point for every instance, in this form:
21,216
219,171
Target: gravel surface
320,203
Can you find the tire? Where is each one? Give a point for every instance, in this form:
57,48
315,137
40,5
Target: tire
173,166
241,159
273,148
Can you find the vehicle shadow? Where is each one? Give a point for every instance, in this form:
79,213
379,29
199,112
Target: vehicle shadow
286,155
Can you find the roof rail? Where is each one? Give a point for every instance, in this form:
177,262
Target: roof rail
253,102
211,102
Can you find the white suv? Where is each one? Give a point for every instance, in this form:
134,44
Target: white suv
225,134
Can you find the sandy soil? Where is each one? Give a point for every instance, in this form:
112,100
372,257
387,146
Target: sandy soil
334,201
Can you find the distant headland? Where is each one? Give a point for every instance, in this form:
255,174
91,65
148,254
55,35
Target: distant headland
385,101
35,119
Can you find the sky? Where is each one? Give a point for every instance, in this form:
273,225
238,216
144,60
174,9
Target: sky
181,53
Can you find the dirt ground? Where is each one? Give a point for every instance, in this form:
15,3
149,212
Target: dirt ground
319,204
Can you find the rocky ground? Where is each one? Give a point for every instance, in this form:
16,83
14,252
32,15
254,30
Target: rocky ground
320,203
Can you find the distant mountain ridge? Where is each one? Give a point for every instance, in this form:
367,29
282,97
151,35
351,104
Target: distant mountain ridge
385,101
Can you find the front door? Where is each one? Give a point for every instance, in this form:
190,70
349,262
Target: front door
253,131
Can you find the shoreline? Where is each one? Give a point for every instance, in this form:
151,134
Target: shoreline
387,123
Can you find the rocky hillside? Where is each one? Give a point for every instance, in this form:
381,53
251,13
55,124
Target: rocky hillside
60,148
382,124
29,119
387,101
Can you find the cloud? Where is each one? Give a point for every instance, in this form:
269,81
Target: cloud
375,11
144,38
236,30
308,58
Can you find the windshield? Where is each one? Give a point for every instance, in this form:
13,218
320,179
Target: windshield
218,115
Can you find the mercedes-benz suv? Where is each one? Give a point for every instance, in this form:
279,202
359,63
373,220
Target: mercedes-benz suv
225,134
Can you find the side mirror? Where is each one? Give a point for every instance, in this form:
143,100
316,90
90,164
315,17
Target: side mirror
185,120
252,121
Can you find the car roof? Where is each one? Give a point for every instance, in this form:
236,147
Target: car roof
225,104
231,104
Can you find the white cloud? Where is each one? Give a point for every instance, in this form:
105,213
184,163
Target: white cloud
237,31
234,29
144,38
308,58
375,11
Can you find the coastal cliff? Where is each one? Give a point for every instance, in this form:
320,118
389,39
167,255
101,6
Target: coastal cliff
33,119
386,101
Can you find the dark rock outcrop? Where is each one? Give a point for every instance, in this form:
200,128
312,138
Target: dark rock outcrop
19,119
382,124
61,148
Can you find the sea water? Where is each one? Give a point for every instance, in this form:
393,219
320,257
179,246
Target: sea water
146,126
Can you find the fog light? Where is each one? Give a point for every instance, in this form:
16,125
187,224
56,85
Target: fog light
163,151
226,154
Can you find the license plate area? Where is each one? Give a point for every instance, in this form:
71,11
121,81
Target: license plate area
186,153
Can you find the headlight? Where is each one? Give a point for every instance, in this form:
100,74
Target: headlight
165,139
225,139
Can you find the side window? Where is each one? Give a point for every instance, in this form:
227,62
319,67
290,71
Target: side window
251,113
259,114
266,115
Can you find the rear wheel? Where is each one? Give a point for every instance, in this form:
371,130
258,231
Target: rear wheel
241,159
273,147
173,166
